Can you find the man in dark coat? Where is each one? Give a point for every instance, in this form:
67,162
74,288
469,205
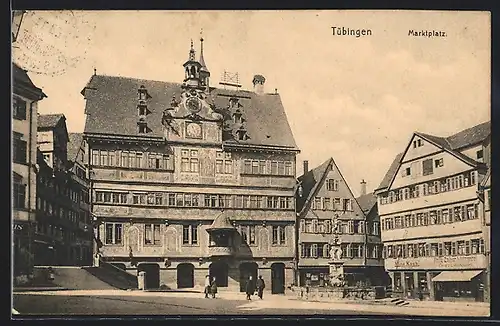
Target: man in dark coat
260,287
250,288
213,287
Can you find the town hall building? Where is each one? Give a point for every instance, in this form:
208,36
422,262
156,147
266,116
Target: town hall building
189,180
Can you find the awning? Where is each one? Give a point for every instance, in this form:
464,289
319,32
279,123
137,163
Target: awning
456,276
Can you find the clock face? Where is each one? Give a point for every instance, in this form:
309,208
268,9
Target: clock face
193,104
193,130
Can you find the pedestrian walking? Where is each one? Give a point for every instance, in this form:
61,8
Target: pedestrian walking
213,288
207,286
260,287
250,288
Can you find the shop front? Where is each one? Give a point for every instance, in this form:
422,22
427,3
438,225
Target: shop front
22,251
458,278
314,276
459,286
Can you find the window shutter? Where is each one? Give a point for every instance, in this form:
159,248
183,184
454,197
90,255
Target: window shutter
325,250
302,226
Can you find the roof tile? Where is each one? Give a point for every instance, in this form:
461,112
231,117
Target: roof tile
111,108
47,121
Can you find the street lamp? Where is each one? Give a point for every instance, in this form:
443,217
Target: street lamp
17,17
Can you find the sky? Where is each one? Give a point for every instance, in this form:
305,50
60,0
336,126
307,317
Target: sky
357,100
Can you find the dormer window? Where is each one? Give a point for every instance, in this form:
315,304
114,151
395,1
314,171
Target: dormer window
142,108
237,118
143,126
142,93
242,134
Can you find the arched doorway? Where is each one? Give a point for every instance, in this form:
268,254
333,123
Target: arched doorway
277,278
219,270
246,270
185,275
152,280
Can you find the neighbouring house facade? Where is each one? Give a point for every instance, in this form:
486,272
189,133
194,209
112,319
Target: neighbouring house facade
431,216
485,198
24,150
63,232
188,180
77,168
323,197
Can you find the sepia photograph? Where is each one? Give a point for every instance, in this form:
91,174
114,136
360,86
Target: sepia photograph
251,162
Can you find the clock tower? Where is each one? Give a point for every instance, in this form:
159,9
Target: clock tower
192,70
189,116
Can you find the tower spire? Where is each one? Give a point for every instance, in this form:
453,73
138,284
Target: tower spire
202,59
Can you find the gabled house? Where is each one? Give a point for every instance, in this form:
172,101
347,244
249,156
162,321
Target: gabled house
63,233
434,245
323,197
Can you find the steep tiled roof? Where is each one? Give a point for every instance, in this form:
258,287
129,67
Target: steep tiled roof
49,121
74,144
393,168
111,108
445,144
470,136
366,202
451,144
21,78
310,181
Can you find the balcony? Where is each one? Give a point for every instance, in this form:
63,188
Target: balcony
220,251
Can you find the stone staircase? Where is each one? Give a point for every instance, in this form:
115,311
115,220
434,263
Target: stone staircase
114,276
399,302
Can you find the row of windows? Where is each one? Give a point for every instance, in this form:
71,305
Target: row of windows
349,250
76,196
152,234
268,167
61,212
56,232
332,204
427,167
432,217
430,188
345,227
435,249
195,200
132,159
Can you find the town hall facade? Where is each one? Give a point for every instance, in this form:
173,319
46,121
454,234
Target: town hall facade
189,180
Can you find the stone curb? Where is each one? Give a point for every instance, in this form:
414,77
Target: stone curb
35,289
411,304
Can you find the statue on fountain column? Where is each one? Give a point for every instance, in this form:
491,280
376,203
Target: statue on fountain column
336,250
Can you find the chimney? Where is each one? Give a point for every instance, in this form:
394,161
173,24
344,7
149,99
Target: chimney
306,167
363,187
258,84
